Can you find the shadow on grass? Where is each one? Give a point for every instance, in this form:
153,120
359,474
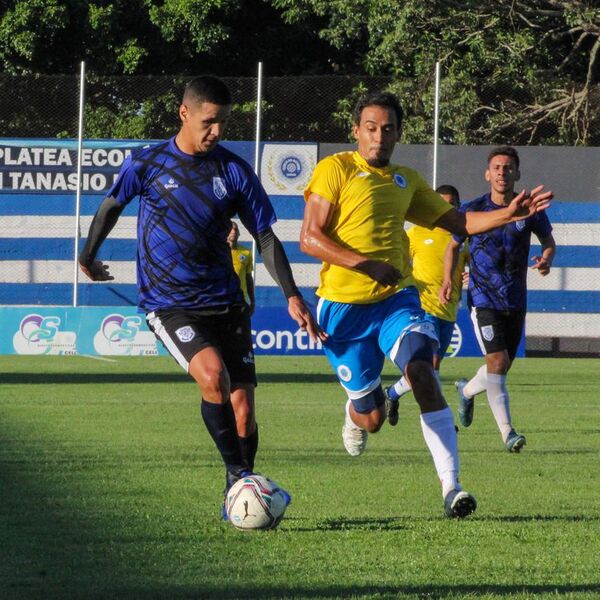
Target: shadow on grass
357,523
37,378
373,591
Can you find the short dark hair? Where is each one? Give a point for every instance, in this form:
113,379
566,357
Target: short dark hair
505,151
449,190
383,99
207,88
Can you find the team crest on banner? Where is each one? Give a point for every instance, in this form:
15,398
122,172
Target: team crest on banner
219,188
487,331
286,168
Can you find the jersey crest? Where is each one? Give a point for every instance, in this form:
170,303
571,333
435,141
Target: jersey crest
399,180
219,188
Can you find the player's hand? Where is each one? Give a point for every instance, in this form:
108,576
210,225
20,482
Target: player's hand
541,264
97,271
526,203
302,315
381,272
445,292
465,278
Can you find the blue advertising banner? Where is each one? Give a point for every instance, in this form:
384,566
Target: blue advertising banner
122,331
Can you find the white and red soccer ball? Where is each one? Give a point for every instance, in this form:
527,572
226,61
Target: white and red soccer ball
255,502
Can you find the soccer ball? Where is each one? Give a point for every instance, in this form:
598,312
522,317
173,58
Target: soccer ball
255,502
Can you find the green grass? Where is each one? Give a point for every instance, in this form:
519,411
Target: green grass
111,488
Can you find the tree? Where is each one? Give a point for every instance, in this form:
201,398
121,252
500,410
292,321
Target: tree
514,71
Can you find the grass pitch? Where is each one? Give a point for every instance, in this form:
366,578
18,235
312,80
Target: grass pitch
111,488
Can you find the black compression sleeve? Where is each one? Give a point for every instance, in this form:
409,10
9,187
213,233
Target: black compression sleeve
104,220
276,262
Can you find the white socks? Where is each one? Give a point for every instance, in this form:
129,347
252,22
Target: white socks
477,384
401,387
440,437
349,421
497,395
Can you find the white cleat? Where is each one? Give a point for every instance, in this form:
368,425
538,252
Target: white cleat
355,438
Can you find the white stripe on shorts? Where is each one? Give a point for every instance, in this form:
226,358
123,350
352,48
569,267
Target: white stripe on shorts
477,331
165,338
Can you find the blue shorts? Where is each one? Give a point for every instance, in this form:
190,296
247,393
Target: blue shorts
443,330
361,335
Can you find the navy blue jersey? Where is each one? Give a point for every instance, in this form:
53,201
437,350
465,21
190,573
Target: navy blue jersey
186,203
499,259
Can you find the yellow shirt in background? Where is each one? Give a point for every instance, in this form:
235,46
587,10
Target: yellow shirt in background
371,206
242,265
427,249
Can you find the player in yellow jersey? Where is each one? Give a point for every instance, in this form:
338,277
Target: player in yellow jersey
427,250
356,206
242,265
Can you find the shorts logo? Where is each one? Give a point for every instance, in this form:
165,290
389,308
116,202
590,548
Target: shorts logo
219,188
344,373
487,331
248,360
399,180
185,334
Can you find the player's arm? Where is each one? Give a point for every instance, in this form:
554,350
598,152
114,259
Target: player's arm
450,263
315,241
104,220
543,263
522,206
278,266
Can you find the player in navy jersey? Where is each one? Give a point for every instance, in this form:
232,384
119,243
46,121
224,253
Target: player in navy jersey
189,188
497,293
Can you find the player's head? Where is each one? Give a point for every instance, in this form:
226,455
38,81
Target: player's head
204,111
503,169
234,234
377,123
450,194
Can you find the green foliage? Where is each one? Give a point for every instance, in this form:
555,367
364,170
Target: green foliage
513,72
110,487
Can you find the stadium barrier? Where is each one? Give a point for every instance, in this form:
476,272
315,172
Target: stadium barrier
40,236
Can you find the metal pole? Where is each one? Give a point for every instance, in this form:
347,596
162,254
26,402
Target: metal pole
78,193
436,123
258,120
259,85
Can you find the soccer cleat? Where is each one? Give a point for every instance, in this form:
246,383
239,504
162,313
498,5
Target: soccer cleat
355,438
391,407
230,479
459,504
465,405
515,441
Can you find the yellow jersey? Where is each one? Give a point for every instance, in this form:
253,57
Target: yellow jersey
370,207
427,250
242,265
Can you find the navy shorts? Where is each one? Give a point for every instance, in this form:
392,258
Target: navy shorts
498,330
184,332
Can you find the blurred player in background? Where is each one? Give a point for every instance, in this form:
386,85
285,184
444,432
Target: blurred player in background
242,265
356,206
427,250
497,293
189,188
